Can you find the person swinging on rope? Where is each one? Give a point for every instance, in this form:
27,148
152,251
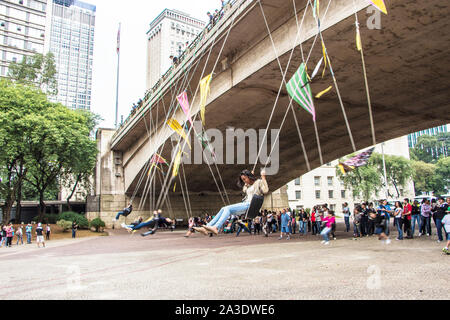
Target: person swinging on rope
157,221
126,212
251,186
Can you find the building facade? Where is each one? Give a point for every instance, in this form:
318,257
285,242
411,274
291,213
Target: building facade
169,35
71,39
412,138
322,185
22,30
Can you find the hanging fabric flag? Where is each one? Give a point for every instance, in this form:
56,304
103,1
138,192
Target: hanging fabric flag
380,5
320,94
175,126
358,161
316,70
184,103
204,140
176,164
204,91
175,187
300,90
358,38
159,160
324,51
154,166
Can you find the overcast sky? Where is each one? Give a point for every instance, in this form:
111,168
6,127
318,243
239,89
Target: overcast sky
135,16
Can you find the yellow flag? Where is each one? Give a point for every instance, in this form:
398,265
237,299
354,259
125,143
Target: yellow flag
324,51
380,5
358,40
176,164
175,187
175,126
342,169
320,94
204,91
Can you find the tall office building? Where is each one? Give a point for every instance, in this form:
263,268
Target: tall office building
22,30
71,40
412,138
169,35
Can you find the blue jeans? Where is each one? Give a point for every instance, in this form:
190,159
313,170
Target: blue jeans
399,223
415,218
121,213
439,229
19,238
74,234
425,225
3,241
347,223
242,227
151,223
28,237
304,227
388,222
356,230
226,212
325,232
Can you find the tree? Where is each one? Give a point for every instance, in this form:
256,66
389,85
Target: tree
423,176
61,142
16,103
37,70
442,176
78,173
398,170
363,181
430,149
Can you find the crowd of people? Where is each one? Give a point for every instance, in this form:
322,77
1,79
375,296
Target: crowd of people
365,220
10,234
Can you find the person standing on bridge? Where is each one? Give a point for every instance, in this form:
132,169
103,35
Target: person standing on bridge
252,186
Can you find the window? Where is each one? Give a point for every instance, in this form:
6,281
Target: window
333,207
330,181
317,181
343,194
298,195
318,194
331,194
297,182
300,207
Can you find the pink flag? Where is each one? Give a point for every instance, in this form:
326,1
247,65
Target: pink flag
184,103
118,40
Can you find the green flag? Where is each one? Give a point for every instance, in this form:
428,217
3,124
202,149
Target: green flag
300,90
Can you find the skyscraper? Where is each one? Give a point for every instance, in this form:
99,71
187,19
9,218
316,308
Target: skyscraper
169,35
22,30
412,138
71,40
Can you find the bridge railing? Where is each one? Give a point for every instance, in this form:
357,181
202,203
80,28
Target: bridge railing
187,55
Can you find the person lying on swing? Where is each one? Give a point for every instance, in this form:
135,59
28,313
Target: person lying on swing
155,222
251,186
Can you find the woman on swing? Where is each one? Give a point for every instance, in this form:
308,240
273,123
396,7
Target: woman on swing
251,186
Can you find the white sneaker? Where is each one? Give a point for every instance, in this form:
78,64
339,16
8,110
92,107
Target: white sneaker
420,234
428,235
326,243
114,220
323,242
388,241
439,241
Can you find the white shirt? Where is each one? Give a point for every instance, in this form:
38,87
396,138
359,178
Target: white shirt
446,222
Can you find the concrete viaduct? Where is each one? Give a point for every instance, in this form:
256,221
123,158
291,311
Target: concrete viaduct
408,74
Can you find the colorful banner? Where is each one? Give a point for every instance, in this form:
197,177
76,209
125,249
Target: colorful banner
204,92
175,126
300,90
358,161
184,103
380,5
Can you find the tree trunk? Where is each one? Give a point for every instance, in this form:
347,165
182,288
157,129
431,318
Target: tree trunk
41,205
69,207
19,203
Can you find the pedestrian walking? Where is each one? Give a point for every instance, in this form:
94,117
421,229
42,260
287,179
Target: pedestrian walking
28,230
40,236
74,230
48,231
346,213
19,235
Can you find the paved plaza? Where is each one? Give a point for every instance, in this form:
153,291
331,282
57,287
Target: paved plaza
168,266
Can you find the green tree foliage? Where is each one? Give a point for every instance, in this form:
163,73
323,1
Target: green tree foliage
37,70
398,170
79,219
98,224
430,149
65,225
364,181
423,176
442,176
40,142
